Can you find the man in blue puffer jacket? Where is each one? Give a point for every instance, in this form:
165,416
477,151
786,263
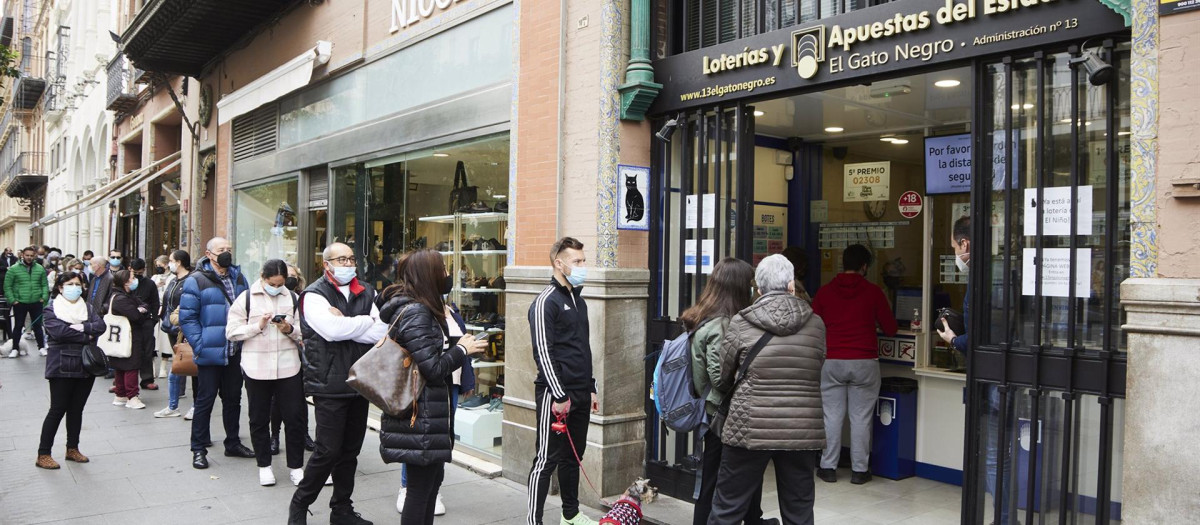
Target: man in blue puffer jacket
203,309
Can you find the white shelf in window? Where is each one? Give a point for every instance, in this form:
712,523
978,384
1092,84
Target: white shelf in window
477,364
479,252
482,290
472,218
477,328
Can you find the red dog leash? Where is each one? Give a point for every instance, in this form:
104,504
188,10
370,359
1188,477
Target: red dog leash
559,426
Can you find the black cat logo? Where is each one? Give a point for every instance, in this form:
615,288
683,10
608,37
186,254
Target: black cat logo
635,204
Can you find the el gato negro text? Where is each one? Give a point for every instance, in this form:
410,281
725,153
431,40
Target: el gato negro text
899,24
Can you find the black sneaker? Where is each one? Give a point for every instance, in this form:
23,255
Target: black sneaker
275,445
239,451
347,516
827,475
298,515
858,478
199,460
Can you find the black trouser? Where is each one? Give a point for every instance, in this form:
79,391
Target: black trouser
554,452
742,474
341,428
34,311
423,485
67,397
225,381
149,351
710,467
288,394
277,416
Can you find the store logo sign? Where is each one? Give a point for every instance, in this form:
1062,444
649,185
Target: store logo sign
409,12
808,50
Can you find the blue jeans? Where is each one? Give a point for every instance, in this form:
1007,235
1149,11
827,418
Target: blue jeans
994,420
175,386
453,407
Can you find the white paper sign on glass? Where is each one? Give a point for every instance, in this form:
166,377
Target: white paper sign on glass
708,250
1056,272
1057,211
689,256
692,210
867,181
710,210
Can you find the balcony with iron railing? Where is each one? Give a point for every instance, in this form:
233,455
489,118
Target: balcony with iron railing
31,85
122,85
25,176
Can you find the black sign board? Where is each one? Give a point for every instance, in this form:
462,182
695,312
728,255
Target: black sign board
1171,7
885,38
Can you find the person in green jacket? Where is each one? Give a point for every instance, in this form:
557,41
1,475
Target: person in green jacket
26,288
726,293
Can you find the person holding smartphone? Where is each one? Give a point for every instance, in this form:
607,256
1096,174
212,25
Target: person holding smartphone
263,319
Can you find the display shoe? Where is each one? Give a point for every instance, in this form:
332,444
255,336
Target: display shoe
296,475
346,516
827,475
46,462
199,460
190,413
167,412
400,499
120,401
858,478
439,508
275,445
135,403
266,477
73,454
239,451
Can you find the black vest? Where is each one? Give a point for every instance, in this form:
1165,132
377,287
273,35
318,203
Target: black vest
328,362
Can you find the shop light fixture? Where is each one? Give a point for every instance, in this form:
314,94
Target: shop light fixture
834,129
758,113
887,139
1022,106
947,83
900,142
441,154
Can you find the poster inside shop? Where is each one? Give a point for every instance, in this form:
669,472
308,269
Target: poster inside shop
708,250
1056,272
867,181
768,240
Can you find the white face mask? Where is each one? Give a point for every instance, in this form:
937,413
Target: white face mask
172,267
960,263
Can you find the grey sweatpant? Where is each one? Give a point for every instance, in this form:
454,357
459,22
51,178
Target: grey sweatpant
849,385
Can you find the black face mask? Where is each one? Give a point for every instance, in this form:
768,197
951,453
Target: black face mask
292,284
447,285
158,270
225,260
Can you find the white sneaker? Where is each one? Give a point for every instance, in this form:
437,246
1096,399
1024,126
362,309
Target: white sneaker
266,477
135,403
439,508
13,354
167,412
297,475
329,481
120,401
43,351
400,500
191,412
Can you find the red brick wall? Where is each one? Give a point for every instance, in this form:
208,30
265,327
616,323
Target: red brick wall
536,204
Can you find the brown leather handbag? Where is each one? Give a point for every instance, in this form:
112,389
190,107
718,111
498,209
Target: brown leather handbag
388,377
183,363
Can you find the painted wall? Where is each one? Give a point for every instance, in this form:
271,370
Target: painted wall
1178,157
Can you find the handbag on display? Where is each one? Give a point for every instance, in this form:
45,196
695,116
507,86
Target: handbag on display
463,195
117,340
388,377
184,362
94,361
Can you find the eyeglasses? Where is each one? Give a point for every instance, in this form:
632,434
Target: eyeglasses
343,261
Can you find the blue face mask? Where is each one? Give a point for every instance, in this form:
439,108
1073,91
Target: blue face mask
133,284
578,275
72,292
114,262
344,274
273,290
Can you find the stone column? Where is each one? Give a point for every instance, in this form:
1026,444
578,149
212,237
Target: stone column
616,449
1161,456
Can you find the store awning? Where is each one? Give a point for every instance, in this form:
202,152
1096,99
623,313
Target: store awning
121,187
280,81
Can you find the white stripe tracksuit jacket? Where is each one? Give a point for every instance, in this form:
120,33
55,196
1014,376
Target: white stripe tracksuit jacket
558,322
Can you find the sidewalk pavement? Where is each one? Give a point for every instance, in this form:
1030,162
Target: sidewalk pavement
140,470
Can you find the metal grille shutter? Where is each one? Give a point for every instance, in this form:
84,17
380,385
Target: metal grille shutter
318,188
256,133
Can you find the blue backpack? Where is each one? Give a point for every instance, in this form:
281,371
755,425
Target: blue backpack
675,397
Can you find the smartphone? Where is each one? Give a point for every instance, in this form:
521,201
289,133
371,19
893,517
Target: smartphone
278,318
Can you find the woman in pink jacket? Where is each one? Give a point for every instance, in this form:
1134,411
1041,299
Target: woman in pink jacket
263,319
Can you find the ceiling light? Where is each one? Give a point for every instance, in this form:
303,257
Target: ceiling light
947,83
441,154
1022,106
834,129
899,141
758,113
887,139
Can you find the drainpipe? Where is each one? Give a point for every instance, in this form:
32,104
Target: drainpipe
639,89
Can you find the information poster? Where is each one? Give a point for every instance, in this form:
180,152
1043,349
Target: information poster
1057,210
867,181
1056,272
948,164
693,210
708,250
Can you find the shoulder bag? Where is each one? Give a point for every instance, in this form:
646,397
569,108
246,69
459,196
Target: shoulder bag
117,340
388,377
462,195
184,362
95,363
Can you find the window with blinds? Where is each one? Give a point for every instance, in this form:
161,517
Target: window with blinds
711,22
256,133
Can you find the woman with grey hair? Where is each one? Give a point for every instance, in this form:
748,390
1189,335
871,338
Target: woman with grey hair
771,364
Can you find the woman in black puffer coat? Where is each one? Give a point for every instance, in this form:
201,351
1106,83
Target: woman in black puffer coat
423,444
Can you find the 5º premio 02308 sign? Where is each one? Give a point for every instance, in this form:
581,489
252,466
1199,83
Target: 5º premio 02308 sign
867,181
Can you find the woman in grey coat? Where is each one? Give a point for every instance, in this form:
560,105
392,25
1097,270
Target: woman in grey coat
774,408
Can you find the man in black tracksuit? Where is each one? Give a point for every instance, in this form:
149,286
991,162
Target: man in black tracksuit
558,325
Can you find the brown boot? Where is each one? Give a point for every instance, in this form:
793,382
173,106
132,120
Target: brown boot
46,462
74,455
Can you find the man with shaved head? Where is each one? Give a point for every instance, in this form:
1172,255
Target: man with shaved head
203,309
339,322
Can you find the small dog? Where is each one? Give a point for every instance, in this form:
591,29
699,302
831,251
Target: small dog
628,509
